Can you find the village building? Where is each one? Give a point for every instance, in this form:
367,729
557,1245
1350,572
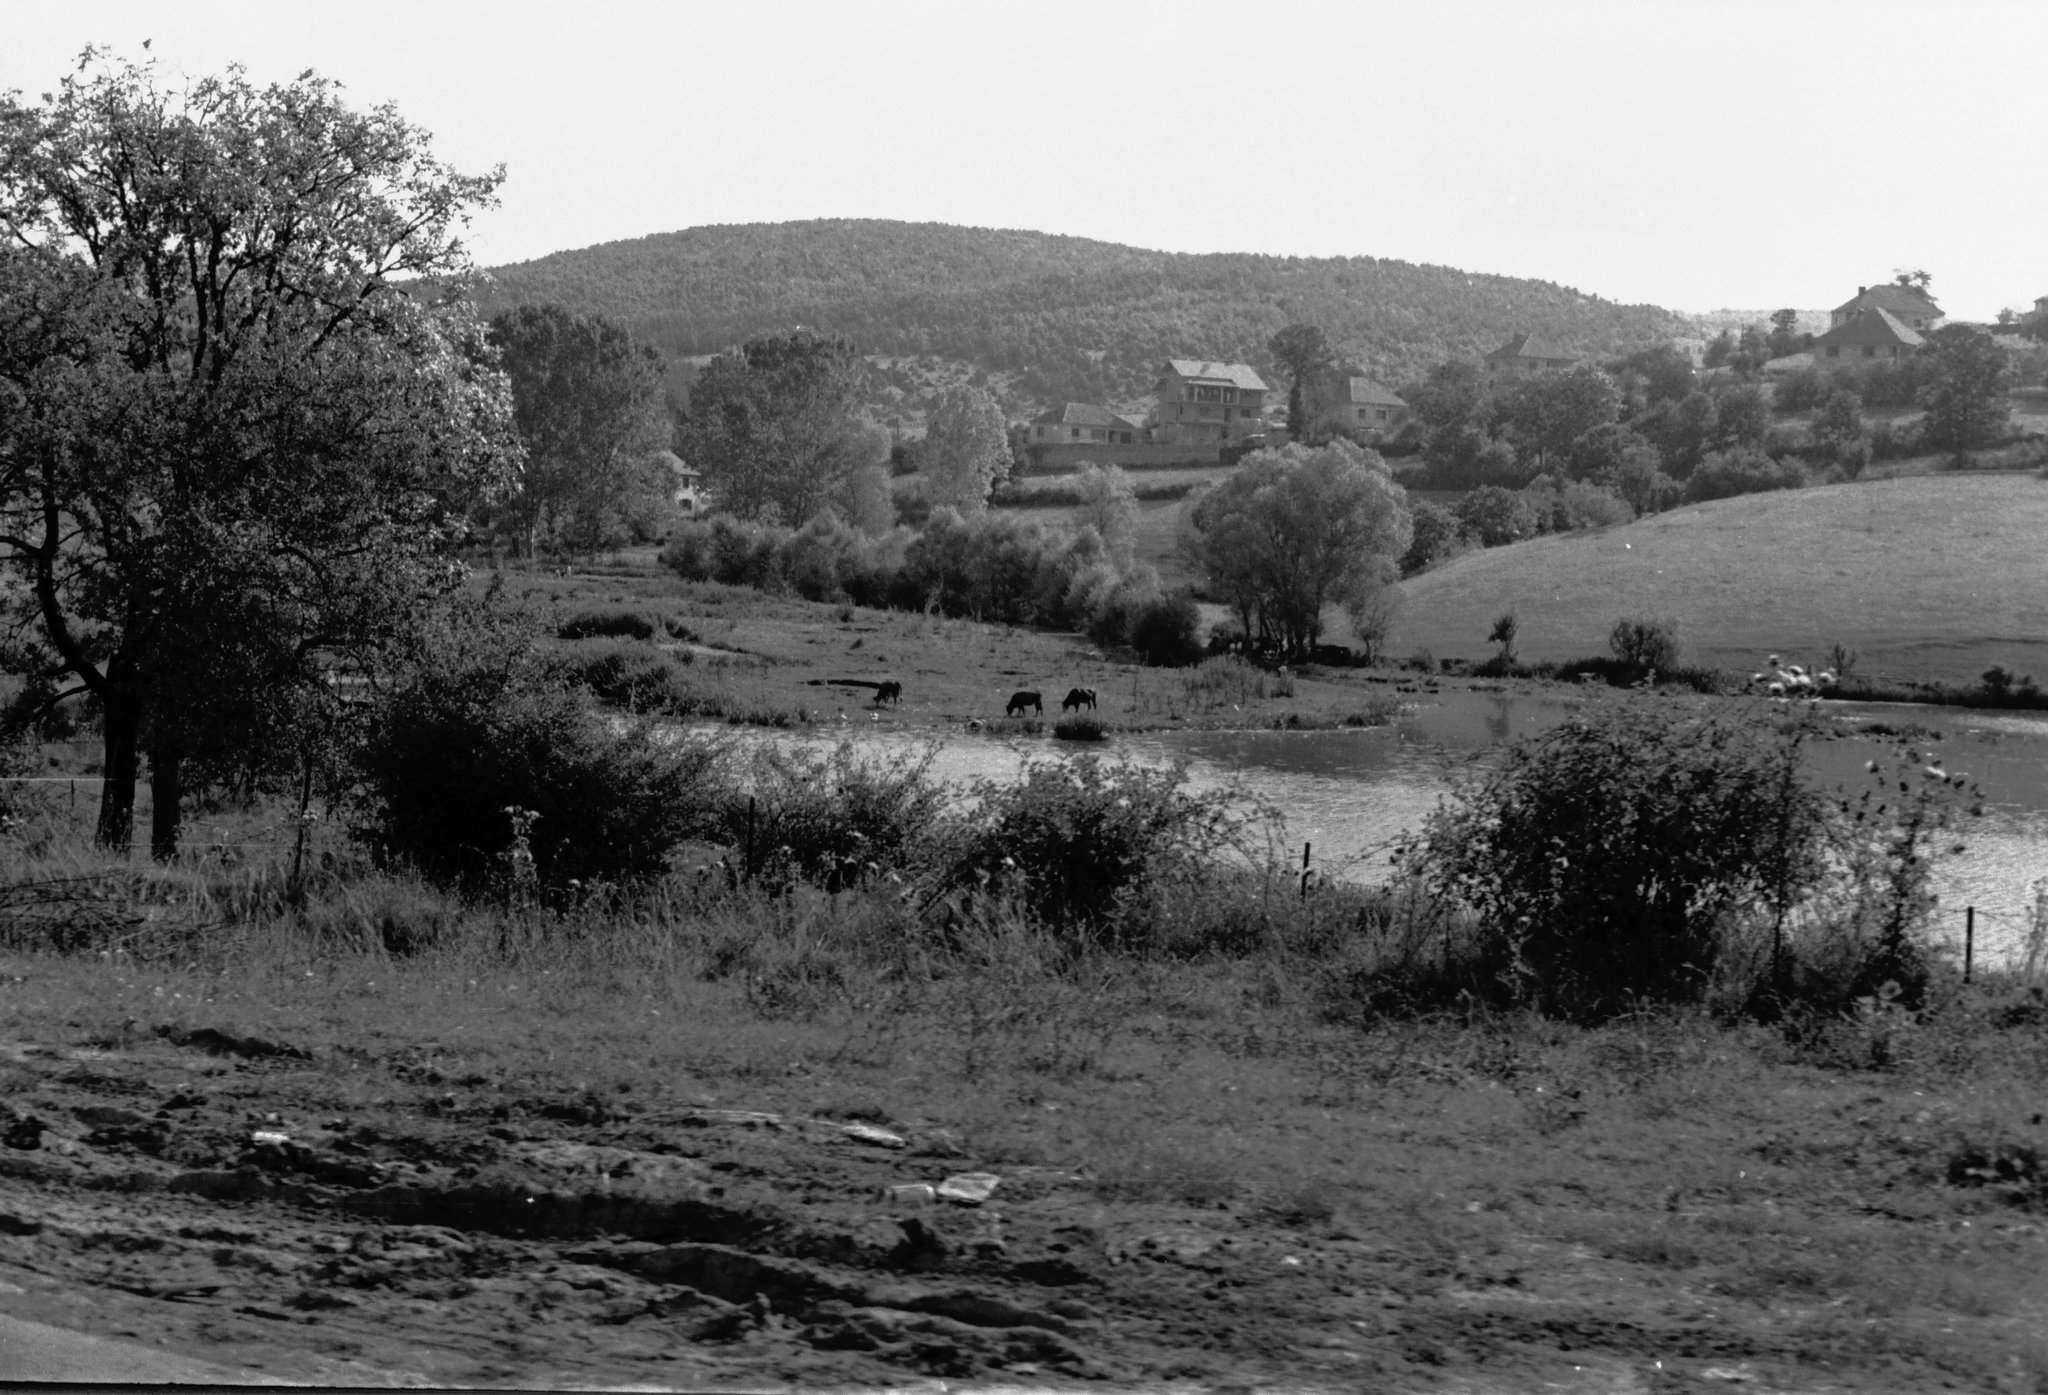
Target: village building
1525,353
688,488
1869,334
1371,405
1206,404
1909,305
1075,423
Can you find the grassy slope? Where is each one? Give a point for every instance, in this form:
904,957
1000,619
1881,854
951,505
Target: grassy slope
1931,577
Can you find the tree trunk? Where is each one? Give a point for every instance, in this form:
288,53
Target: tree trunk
166,796
122,724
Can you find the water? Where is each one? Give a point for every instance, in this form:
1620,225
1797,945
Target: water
1350,794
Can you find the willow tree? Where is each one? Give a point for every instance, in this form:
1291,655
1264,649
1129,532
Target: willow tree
242,408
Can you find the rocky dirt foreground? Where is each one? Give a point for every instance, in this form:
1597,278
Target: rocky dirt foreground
214,1195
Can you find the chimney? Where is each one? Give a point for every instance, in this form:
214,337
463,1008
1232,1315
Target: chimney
1861,289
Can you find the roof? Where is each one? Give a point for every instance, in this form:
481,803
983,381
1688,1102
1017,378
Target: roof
1081,414
1892,297
1870,326
1367,393
673,461
1238,375
1527,345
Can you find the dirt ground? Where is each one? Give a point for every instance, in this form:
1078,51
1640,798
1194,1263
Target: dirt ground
347,1220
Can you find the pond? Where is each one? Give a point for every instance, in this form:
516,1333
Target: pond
1349,794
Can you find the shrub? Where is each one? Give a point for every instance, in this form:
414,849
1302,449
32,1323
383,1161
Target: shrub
631,677
1609,857
1497,516
1744,470
1802,391
1645,644
479,728
834,819
1078,728
1166,630
1078,840
608,624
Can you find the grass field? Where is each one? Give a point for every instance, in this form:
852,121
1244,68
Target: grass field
1933,577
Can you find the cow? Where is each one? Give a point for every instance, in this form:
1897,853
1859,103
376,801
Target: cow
1078,698
890,692
1019,701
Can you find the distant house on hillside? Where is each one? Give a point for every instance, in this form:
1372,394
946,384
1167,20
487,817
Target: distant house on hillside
1868,334
689,484
1077,422
1909,305
1207,404
1525,353
1347,395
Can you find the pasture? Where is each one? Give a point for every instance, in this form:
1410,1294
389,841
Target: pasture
1933,577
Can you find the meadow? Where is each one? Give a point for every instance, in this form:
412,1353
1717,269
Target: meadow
1927,577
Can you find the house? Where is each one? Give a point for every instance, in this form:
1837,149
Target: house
1525,353
1370,405
1208,404
689,484
1909,305
1077,423
1872,333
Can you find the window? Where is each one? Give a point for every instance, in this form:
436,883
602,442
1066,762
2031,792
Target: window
1074,433
1383,414
1870,351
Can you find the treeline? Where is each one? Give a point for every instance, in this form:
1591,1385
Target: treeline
1074,318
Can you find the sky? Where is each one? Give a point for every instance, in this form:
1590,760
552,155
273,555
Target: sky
1693,155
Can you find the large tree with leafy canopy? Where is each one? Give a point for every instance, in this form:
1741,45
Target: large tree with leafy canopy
776,427
1303,351
589,407
1965,400
243,409
1297,530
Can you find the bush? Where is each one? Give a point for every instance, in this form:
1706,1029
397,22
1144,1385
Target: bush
832,819
609,624
631,677
1078,728
1645,645
1610,857
1079,840
1744,470
1166,630
479,728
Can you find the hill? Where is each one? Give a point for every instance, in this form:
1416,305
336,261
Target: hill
1053,318
1931,577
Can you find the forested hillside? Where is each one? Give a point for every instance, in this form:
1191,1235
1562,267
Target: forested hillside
1057,317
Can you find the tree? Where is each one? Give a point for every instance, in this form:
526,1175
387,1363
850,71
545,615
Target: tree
1546,414
1303,352
1719,349
1914,279
248,415
1784,336
1742,414
1840,422
589,407
1297,529
966,449
1110,505
1965,401
775,427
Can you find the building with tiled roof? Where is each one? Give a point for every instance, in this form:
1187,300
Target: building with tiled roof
1870,333
1909,305
1084,422
1525,353
1347,395
1203,403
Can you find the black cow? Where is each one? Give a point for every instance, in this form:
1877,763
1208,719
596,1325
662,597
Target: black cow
1078,698
1020,701
889,692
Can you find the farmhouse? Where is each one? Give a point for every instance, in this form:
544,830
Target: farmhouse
1077,422
1369,404
1909,305
1207,404
688,484
1868,334
1525,353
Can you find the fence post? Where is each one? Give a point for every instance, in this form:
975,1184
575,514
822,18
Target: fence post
1304,870
1969,939
750,839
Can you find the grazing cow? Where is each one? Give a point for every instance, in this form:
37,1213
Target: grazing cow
890,692
1020,701
1078,698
